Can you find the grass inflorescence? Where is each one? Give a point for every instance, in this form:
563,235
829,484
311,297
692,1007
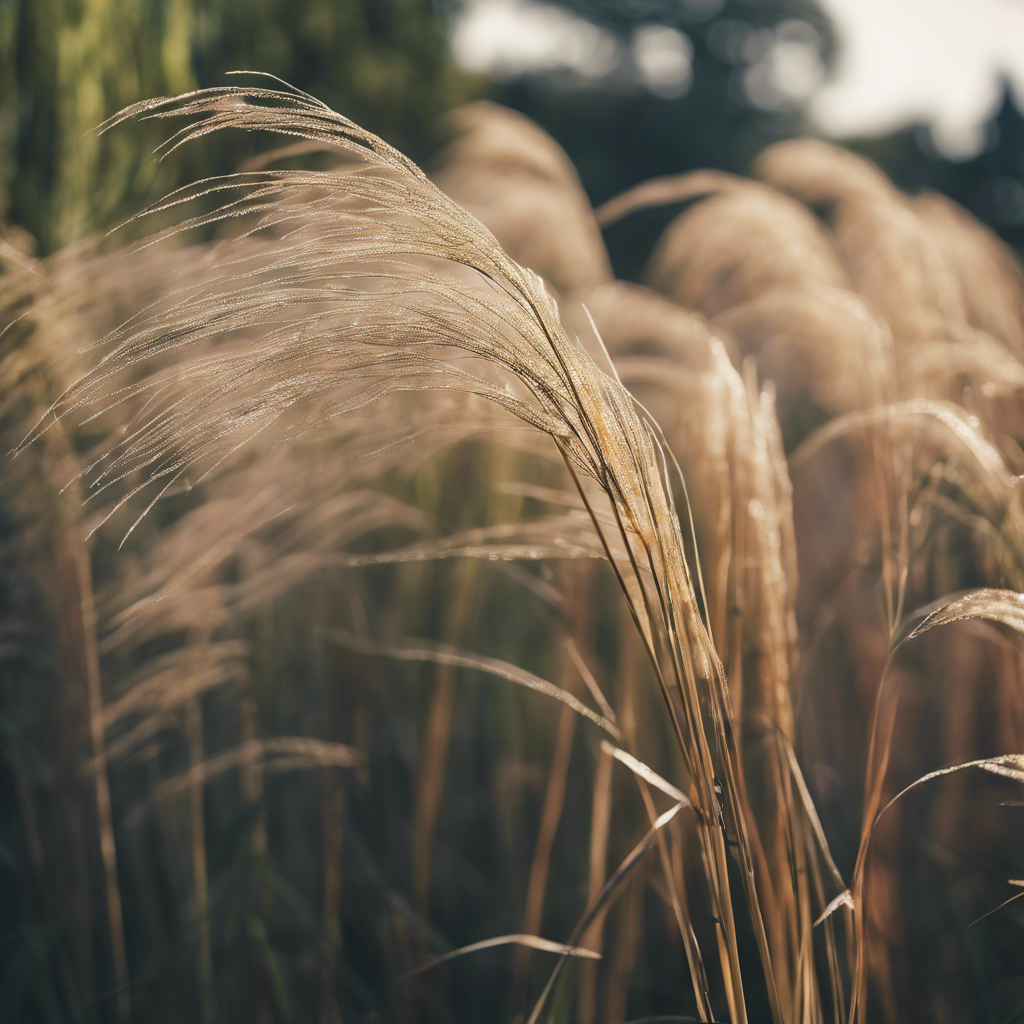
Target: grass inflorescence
405,619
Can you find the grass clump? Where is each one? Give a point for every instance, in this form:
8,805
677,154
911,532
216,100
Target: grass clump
359,480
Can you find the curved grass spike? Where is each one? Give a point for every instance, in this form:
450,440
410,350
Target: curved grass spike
1005,607
341,288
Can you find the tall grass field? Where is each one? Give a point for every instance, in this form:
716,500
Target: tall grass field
402,619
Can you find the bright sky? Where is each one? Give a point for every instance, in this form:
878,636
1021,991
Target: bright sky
929,60
936,61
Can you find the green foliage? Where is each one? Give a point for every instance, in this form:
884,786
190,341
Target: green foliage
67,65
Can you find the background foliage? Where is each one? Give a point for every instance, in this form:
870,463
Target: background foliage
67,65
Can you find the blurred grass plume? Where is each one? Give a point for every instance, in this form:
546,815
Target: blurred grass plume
311,483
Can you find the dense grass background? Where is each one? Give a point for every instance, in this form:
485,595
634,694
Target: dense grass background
240,779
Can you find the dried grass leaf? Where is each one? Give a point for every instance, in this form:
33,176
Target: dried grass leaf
530,941
642,771
1003,606
443,654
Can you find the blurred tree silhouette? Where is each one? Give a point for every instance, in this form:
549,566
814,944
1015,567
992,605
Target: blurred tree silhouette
989,184
744,70
65,65
752,65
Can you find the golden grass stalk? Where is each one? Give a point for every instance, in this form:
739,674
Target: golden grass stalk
517,181
379,284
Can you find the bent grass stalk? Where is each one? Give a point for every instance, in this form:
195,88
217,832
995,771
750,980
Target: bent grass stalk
390,340
364,307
